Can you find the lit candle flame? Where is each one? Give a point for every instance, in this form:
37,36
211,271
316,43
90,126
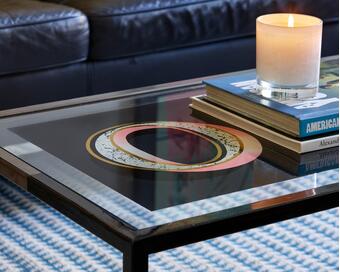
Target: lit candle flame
290,20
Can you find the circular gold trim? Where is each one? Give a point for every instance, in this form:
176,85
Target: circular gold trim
89,149
218,148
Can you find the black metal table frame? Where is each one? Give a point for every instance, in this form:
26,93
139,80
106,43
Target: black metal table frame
135,244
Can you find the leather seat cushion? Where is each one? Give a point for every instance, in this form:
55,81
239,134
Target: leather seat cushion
36,35
122,28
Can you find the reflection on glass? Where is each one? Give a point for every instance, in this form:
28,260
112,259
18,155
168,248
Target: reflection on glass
55,143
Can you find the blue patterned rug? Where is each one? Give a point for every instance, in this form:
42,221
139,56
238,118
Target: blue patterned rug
35,237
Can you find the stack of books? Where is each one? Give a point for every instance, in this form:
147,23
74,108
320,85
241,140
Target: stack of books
299,126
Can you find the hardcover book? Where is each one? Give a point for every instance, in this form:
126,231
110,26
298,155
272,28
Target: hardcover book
298,118
297,164
304,145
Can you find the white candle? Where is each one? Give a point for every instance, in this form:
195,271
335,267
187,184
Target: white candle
288,50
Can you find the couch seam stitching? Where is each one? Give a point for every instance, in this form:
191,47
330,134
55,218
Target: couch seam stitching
153,10
41,23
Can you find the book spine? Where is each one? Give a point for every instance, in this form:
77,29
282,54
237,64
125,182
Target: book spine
318,144
319,125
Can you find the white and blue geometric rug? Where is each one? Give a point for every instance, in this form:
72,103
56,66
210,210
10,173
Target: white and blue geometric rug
35,237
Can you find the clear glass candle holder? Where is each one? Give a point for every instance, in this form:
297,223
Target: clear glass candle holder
288,52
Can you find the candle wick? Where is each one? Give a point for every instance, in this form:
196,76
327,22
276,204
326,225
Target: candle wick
290,20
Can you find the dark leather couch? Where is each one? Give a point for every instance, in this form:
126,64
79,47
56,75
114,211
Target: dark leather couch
71,48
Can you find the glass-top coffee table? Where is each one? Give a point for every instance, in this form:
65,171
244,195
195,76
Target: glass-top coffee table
145,173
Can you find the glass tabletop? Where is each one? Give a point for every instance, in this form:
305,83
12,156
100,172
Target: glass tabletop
150,160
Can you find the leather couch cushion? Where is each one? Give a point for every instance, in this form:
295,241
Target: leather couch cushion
36,35
122,28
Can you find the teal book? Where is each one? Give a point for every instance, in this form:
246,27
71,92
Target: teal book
298,118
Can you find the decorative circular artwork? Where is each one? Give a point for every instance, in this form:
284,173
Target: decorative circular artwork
232,147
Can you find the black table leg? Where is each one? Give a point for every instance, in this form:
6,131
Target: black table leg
135,259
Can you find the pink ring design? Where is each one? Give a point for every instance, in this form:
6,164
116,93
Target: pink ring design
251,148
